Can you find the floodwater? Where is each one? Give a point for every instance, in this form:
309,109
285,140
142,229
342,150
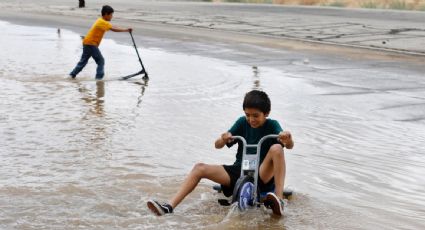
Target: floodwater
88,154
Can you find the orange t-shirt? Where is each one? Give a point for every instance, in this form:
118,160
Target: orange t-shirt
95,34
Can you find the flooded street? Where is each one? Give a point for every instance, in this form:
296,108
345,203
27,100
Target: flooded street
89,154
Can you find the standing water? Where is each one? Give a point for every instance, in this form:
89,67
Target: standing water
89,154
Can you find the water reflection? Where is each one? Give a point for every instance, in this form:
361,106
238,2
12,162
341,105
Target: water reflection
95,121
99,100
143,86
256,78
96,102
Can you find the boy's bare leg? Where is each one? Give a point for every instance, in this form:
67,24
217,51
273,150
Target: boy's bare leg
274,166
215,173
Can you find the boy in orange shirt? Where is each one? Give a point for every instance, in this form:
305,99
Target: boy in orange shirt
92,40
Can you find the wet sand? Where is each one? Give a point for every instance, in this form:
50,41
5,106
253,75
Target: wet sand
89,154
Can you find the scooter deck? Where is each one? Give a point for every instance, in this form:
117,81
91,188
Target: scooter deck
135,74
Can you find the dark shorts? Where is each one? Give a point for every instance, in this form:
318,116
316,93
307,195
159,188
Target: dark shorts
234,172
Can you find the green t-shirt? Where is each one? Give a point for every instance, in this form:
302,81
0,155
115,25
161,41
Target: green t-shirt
253,135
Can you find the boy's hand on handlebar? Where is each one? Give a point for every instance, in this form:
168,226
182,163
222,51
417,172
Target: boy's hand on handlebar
223,140
285,138
226,137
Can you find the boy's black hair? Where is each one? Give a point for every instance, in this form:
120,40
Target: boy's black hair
107,10
258,100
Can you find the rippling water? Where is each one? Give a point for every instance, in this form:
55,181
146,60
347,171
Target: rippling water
85,153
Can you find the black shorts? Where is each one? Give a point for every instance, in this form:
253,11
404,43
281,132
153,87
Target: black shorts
234,172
